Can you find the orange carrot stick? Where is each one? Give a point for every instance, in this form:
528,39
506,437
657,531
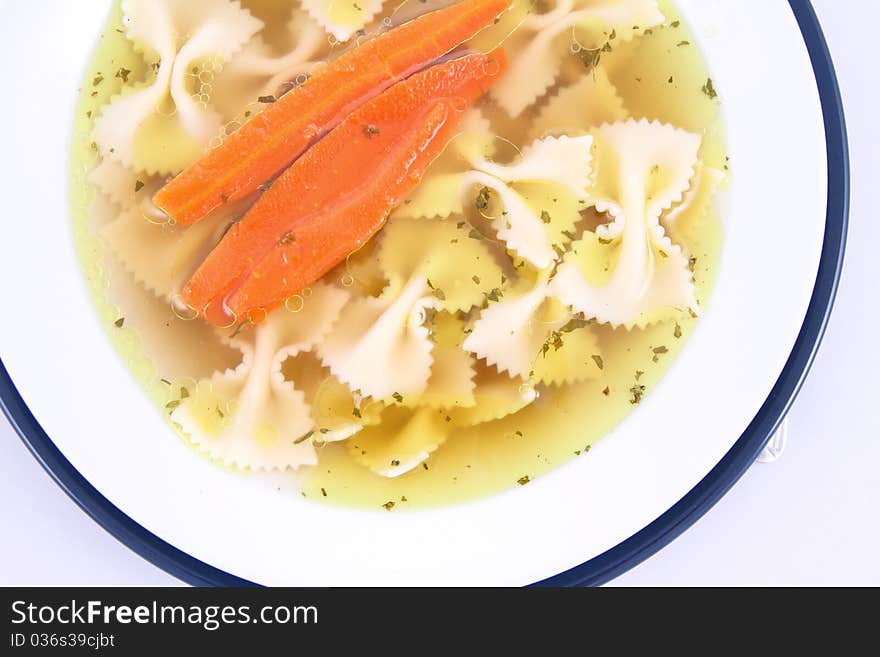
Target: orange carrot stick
273,139
338,194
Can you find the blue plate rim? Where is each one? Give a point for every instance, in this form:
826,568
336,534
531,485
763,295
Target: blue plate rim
656,535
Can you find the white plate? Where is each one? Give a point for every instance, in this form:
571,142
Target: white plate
79,392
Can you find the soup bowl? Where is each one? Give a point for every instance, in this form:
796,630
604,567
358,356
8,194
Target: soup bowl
87,421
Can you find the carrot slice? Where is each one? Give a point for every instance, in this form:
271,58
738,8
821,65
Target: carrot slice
273,139
338,194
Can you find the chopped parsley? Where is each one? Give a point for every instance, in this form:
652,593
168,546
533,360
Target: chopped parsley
482,200
637,392
709,89
303,438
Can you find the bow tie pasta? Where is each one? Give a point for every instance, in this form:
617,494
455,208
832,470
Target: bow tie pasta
534,337
258,72
384,346
629,272
543,39
251,417
532,203
181,40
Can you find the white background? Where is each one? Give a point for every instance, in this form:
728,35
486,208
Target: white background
809,518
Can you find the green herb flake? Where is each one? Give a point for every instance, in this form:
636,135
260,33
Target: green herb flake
425,466
522,481
138,185
98,79
639,374
440,294
607,391
165,381
265,185
675,23
395,463
637,393
475,279
682,43
709,89
590,58
266,100
287,238
123,74
388,505
599,362
677,331
356,412
184,393
303,438
482,200
242,326
545,217
398,397
119,323
174,403
323,492
370,131
495,294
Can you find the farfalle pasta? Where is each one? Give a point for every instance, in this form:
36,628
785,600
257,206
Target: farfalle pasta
403,254
252,417
385,348
259,72
642,169
533,336
543,39
165,104
538,196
